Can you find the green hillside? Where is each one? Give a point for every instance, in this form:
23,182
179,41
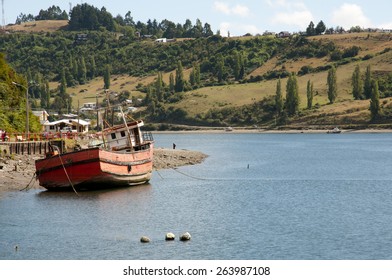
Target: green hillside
237,77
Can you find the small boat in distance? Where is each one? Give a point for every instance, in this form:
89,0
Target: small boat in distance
335,130
124,158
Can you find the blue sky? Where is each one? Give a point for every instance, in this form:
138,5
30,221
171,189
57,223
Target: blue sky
235,16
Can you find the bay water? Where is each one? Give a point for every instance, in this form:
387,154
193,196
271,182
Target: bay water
256,196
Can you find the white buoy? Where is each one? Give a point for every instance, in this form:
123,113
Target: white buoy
145,239
185,237
170,236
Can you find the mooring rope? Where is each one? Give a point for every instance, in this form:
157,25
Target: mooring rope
180,172
28,185
65,170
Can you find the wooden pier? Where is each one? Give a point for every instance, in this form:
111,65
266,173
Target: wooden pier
25,147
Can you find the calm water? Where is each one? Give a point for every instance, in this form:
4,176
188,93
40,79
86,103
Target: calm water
303,196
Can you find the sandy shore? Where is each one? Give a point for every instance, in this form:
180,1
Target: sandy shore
17,171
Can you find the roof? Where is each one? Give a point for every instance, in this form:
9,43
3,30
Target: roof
68,121
40,113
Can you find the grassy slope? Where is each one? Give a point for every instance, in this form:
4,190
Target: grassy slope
200,101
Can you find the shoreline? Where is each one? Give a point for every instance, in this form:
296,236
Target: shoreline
269,131
17,171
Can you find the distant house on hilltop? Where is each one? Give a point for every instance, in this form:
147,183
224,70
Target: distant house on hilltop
284,34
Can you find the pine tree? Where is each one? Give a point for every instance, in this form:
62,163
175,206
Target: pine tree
310,30
320,28
367,86
309,94
332,85
375,109
279,98
356,83
292,95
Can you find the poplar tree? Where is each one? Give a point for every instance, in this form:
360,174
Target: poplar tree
106,77
171,83
356,83
237,65
180,83
93,68
220,68
196,68
63,83
309,94
332,85
279,98
375,109
292,95
82,75
194,77
367,86
159,87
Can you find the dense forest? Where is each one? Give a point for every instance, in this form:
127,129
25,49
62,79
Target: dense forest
97,44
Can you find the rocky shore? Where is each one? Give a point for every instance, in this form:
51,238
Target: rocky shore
17,171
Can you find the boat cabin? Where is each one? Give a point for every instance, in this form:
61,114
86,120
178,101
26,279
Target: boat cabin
117,138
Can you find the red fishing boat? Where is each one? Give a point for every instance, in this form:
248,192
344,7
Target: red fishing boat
123,158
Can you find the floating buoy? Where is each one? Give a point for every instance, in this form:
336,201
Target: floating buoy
170,236
185,237
145,239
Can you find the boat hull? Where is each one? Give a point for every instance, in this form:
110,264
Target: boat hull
95,168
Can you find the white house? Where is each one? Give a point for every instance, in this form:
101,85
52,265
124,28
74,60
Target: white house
42,115
80,126
91,106
161,40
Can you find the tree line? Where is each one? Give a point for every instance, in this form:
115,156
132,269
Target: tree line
85,17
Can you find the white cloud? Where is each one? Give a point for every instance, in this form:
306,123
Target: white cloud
293,13
239,10
296,18
237,29
349,15
277,3
222,7
387,25
224,28
249,29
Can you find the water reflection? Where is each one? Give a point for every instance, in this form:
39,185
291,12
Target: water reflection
107,194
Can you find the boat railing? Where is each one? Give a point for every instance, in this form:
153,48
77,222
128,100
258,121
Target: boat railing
147,136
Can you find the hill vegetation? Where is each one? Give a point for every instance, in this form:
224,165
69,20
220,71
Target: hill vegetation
203,79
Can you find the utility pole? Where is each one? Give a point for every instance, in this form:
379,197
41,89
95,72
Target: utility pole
27,108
